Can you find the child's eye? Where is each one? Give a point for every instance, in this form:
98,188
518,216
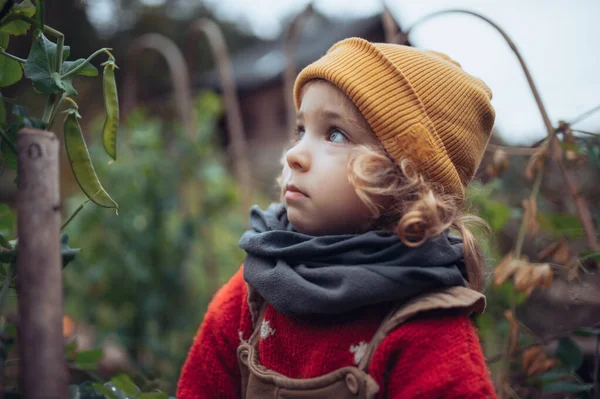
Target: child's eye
336,136
299,133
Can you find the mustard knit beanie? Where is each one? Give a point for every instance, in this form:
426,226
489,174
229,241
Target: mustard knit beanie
421,105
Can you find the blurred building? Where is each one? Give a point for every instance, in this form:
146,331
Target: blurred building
259,72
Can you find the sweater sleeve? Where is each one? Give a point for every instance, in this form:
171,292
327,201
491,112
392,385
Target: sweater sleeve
432,358
211,369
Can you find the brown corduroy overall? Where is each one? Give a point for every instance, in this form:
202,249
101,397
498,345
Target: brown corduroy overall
347,382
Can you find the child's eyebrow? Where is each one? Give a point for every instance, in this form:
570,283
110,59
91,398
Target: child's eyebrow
329,114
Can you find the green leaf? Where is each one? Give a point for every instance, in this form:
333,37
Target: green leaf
90,356
593,153
87,391
67,253
74,392
87,70
152,395
10,158
4,40
3,122
553,375
4,243
11,71
560,224
103,390
125,384
39,66
567,387
19,27
569,353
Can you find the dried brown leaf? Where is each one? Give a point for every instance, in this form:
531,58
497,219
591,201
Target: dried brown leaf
535,361
504,269
542,275
499,160
530,355
523,276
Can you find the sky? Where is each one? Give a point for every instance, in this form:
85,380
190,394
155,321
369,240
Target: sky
559,40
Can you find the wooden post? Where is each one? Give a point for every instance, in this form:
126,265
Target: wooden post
39,271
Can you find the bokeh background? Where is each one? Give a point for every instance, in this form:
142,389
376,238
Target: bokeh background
142,281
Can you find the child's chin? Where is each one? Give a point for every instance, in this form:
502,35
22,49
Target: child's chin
300,223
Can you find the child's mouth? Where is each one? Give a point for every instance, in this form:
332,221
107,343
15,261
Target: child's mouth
293,193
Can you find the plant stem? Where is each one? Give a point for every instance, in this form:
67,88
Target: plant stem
585,132
48,109
10,143
47,30
88,59
79,208
60,42
55,110
585,115
12,57
523,229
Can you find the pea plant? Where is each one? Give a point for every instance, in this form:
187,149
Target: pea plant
51,73
52,76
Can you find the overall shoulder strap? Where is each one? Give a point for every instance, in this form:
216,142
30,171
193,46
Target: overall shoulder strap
458,298
257,306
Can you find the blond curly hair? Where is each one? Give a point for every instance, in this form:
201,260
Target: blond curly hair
403,201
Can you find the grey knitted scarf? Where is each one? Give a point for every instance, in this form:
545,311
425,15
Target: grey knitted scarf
300,274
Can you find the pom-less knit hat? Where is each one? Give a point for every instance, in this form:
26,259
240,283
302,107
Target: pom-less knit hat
420,104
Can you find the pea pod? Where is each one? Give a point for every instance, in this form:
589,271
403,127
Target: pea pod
80,161
111,106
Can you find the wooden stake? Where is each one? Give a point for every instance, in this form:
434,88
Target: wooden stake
39,271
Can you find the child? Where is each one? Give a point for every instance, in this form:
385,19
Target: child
353,287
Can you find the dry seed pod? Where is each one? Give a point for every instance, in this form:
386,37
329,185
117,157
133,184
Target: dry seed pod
535,162
505,269
530,216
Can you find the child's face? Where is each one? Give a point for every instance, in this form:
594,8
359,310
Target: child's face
315,188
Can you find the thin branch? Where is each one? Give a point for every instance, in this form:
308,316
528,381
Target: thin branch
12,57
88,59
526,151
585,132
540,342
585,115
583,211
79,208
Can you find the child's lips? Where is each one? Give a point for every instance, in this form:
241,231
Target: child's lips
292,192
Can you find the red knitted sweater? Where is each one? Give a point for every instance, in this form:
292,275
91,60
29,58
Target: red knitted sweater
424,358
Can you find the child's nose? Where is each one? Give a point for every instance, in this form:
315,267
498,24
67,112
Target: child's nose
298,157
